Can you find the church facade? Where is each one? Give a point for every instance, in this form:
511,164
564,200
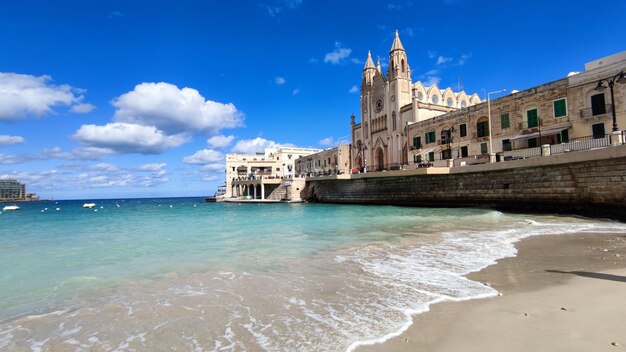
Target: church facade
389,102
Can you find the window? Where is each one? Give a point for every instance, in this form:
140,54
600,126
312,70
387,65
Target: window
482,129
532,118
430,137
431,156
464,152
434,99
506,145
562,137
532,143
446,154
417,143
463,130
483,148
402,66
598,130
463,104
449,102
598,106
560,107
277,169
420,96
417,159
393,116
505,122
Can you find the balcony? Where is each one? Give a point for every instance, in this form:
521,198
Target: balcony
597,111
529,125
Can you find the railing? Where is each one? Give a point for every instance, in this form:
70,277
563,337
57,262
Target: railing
385,167
484,134
415,147
521,153
598,111
583,143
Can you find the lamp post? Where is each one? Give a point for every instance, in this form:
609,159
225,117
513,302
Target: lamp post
619,78
492,155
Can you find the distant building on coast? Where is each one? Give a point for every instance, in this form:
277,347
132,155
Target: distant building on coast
257,175
405,125
13,191
389,102
332,161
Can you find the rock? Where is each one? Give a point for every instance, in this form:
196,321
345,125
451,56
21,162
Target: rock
525,314
563,308
406,340
614,343
617,255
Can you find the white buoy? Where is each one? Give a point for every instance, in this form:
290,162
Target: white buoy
171,206
58,209
95,210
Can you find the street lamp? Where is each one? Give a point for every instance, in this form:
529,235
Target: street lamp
492,155
619,78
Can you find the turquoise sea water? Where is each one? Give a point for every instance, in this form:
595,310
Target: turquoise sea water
163,274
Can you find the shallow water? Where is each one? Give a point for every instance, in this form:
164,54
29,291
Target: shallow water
177,274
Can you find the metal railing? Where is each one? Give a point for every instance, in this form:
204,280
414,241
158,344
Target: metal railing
598,111
524,125
582,143
521,153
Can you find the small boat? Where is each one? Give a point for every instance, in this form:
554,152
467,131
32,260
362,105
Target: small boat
218,196
10,207
89,205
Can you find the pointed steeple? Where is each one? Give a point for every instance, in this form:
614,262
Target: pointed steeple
397,44
378,65
369,63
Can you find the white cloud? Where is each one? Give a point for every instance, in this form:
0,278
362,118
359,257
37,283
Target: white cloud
204,156
215,167
327,142
339,55
295,92
394,7
82,153
256,145
220,141
104,167
128,138
82,108
432,80
152,167
432,54
442,60
9,140
173,110
463,59
354,89
280,80
22,96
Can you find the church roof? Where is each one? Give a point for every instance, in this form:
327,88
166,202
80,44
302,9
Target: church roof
397,44
369,63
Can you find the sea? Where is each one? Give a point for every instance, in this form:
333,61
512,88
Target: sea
178,274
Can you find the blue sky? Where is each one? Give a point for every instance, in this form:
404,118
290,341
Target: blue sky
144,98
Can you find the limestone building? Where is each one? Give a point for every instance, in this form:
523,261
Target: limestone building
389,102
256,175
332,161
572,113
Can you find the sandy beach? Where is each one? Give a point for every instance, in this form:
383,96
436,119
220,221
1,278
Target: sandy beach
561,293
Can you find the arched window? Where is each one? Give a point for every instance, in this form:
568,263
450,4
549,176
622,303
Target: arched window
463,104
434,99
402,65
420,96
393,116
449,102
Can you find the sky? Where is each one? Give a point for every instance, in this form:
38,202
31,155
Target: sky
117,98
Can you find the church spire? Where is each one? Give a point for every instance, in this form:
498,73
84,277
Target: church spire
397,44
369,63
378,65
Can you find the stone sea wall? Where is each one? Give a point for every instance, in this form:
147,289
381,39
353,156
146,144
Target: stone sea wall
587,183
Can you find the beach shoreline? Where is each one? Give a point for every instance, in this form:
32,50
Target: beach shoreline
560,293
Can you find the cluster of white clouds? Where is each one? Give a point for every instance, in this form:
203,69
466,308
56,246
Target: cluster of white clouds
154,117
23,96
9,140
79,176
277,7
340,55
332,142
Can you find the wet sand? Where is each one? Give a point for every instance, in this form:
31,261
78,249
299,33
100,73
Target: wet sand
561,293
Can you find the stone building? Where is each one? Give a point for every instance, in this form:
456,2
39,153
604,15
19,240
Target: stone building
333,161
12,190
388,103
569,114
256,175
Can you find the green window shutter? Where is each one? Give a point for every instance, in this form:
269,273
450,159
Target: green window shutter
560,108
532,119
505,122
431,156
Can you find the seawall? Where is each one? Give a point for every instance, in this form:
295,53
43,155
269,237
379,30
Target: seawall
591,183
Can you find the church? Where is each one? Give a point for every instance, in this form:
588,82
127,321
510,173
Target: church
389,103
